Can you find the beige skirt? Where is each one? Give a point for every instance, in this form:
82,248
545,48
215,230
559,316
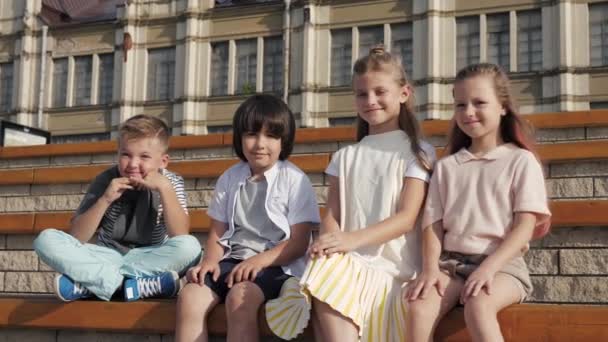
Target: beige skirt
371,298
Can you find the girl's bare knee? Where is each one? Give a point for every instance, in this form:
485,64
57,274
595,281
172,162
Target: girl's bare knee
479,307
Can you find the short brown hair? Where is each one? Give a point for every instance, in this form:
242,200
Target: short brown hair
144,126
264,111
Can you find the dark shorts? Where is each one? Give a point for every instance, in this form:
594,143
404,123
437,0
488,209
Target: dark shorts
269,280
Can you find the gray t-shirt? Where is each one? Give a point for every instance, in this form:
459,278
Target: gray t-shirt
254,231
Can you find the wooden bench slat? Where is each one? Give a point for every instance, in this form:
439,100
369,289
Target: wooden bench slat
565,214
188,169
303,135
536,322
586,150
144,316
584,118
579,213
22,223
16,177
573,151
52,150
196,141
518,322
57,220
67,175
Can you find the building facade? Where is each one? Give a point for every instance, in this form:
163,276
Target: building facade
78,70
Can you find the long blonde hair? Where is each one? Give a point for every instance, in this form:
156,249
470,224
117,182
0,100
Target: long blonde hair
379,59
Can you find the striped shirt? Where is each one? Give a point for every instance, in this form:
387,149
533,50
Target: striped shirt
117,229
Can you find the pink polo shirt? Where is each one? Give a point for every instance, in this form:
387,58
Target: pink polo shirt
477,197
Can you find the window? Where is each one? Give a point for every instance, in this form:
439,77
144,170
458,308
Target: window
83,67
60,82
6,86
368,37
402,45
598,34
273,64
335,122
161,74
246,66
106,78
498,40
598,105
467,41
219,68
79,138
219,129
529,41
341,57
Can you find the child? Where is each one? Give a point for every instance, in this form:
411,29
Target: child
262,214
139,210
486,200
368,245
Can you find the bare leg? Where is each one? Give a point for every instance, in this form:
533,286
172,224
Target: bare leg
316,327
423,315
243,303
333,326
193,306
480,312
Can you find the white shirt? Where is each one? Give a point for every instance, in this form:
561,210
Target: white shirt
290,199
371,177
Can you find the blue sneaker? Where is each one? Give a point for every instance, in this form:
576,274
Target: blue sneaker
67,290
163,285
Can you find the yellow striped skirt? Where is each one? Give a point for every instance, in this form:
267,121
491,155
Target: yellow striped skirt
370,298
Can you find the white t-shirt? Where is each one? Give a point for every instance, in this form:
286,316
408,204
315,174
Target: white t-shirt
371,177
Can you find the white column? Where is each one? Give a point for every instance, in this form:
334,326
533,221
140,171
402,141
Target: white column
231,67
434,57
26,66
483,38
95,80
130,75
314,54
566,32
512,41
259,70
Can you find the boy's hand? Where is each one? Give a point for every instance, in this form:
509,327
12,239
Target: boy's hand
116,188
247,270
425,282
333,242
197,273
154,181
480,279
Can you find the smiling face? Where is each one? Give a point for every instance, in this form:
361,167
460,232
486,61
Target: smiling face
478,111
261,149
137,157
378,98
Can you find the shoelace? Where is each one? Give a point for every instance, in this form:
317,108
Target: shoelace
80,290
149,287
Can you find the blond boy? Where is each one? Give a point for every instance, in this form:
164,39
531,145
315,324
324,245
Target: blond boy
138,209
